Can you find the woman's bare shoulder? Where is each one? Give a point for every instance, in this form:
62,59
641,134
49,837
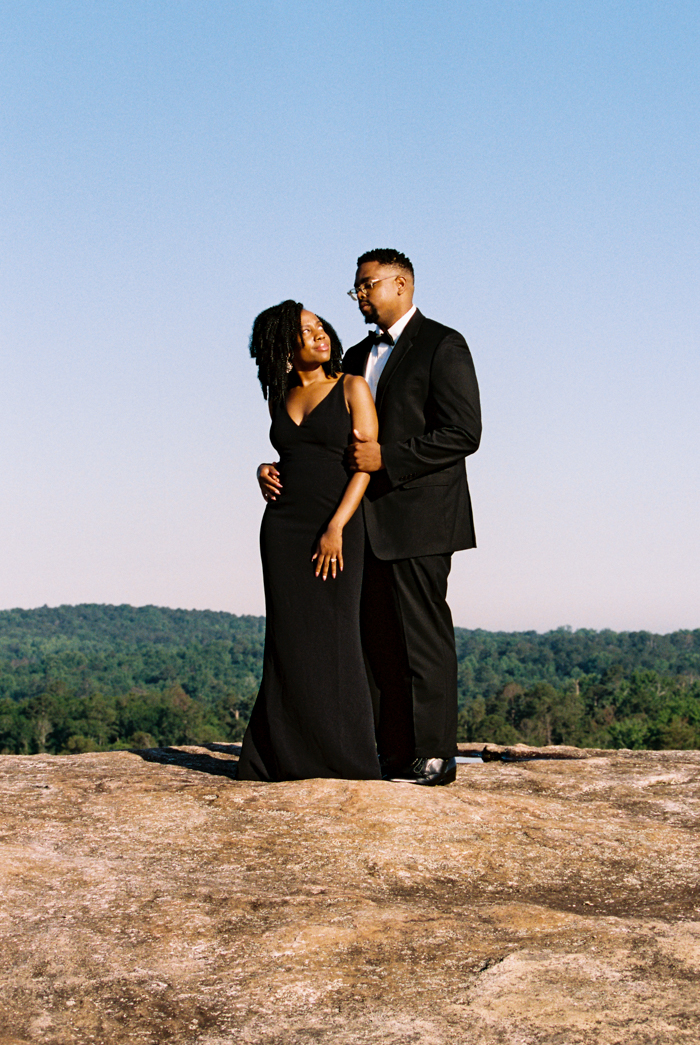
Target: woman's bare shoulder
355,384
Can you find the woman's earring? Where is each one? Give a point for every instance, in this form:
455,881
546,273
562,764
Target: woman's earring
290,366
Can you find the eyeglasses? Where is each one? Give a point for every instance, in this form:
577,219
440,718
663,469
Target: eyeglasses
364,288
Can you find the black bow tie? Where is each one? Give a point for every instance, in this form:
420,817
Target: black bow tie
378,338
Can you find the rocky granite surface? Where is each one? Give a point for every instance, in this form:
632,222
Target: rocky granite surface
149,897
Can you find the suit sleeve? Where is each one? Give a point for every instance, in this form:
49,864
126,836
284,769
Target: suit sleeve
453,417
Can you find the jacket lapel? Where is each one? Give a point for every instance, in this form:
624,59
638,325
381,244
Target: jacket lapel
398,353
355,359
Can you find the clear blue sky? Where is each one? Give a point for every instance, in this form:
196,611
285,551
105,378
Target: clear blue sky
168,169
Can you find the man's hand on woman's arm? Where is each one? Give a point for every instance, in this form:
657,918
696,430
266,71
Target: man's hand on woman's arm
364,454
269,481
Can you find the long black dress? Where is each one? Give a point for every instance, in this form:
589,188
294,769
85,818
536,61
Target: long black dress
313,714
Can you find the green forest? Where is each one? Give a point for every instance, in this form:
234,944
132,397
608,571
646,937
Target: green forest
95,678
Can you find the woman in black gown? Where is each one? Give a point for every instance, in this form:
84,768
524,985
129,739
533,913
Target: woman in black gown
313,714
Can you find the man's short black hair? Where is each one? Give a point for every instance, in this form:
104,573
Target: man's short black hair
387,257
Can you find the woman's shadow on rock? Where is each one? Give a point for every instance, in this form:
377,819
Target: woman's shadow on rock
189,759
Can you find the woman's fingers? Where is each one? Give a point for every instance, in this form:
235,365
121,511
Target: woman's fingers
335,560
327,561
321,563
324,564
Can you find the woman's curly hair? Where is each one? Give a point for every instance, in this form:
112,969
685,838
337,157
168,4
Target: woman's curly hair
274,337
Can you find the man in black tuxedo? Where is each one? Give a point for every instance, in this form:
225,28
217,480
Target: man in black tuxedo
417,512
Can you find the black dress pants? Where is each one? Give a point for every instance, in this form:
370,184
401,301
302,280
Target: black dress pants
409,645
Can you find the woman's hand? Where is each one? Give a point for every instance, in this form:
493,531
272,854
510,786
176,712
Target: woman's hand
269,480
329,551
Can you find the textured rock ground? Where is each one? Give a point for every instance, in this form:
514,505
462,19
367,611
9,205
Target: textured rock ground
151,898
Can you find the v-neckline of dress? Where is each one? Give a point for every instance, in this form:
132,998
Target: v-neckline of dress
306,417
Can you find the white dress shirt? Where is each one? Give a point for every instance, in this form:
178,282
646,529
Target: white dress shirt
380,352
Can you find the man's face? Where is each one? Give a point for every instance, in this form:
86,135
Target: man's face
385,301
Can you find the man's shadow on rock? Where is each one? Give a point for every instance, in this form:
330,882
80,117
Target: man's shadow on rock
173,756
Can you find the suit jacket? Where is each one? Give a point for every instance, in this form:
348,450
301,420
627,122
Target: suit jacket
429,421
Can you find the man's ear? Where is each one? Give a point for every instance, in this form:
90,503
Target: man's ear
400,284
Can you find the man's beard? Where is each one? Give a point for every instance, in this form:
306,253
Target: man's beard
371,317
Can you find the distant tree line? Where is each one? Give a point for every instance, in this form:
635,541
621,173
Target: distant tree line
91,678
588,688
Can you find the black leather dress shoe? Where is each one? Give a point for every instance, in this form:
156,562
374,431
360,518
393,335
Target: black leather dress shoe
430,772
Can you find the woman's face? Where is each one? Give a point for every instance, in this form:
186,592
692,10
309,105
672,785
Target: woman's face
314,344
